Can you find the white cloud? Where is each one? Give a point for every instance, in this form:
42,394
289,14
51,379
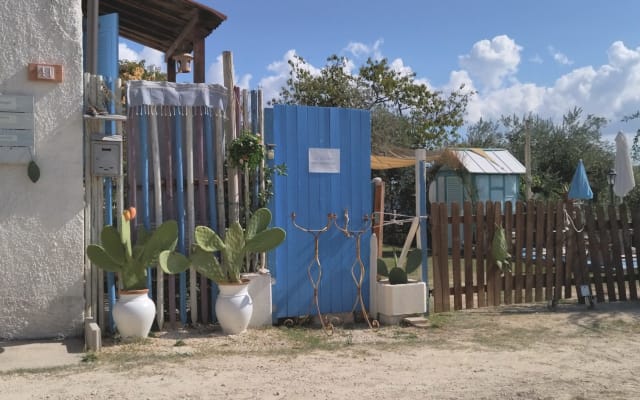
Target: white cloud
127,53
149,55
611,91
271,84
536,59
492,61
153,57
362,51
215,74
559,57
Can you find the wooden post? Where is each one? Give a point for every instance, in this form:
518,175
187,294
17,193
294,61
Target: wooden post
171,70
198,61
527,159
231,134
378,212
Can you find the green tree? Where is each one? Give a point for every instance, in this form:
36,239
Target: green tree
485,134
401,106
635,148
137,70
556,149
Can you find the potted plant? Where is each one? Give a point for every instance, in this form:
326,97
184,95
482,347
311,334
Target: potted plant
234,304
134,311
398,296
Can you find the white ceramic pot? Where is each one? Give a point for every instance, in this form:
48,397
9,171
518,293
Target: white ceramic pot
234,307
133,313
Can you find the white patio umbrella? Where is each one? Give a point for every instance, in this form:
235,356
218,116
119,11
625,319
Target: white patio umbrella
624,169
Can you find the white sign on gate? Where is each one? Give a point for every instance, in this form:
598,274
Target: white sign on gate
324,161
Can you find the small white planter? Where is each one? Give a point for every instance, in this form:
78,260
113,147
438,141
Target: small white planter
133,313
234,307
395,302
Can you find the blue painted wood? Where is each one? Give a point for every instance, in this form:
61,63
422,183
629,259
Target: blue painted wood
180,206
108,68
295,129
213,212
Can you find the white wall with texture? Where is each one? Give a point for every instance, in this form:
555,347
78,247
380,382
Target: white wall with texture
41,224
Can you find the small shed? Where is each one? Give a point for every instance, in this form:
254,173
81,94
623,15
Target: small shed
473,174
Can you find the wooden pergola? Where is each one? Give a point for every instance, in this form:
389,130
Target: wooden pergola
173,27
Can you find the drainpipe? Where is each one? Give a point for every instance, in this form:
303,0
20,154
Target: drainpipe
93,7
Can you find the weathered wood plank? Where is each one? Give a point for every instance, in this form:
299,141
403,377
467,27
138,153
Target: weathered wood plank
558,251
455,256
528,289
595,253
508,274
436,238
628,252
497,218
480,252
549,252
605,239
444,254
635,235
539,247
581,271
518,267
468,255
616,250
490,263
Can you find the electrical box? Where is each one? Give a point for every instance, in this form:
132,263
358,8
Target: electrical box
17,138
106,155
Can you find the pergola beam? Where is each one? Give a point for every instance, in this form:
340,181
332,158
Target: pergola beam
193,16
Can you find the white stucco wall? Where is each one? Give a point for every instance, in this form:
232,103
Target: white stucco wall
41,224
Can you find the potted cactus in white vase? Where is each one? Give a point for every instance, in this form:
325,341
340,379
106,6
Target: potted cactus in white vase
234,304
397,295
134,311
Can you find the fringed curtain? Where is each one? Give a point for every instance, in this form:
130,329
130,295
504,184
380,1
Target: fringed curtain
171,153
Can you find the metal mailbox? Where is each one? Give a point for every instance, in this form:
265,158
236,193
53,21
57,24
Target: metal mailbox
17,140
106,155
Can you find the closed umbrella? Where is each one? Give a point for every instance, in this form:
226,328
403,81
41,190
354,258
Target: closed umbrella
580,188
624,170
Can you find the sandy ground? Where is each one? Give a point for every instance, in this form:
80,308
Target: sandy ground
523,352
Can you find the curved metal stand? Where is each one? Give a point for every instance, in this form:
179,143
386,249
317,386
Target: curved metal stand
357,268
326,325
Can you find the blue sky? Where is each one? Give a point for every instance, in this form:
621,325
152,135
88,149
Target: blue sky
543,56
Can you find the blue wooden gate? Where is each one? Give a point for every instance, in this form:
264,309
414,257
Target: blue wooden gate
327,154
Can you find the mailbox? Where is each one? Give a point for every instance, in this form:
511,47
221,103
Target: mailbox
106,155
16,129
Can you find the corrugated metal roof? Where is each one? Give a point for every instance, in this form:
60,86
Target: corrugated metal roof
489,161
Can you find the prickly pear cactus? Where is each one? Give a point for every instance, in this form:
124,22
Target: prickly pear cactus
500,250
116,253
237,244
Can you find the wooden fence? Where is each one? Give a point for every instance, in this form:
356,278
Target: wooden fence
555,247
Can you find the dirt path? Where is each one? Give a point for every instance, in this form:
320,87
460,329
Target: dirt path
523,352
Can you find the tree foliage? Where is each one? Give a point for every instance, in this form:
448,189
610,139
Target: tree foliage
556,149
137,70
405,112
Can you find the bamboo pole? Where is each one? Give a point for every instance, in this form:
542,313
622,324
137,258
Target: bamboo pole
260,115
191,216
219,152
157,201
231,134
245,110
